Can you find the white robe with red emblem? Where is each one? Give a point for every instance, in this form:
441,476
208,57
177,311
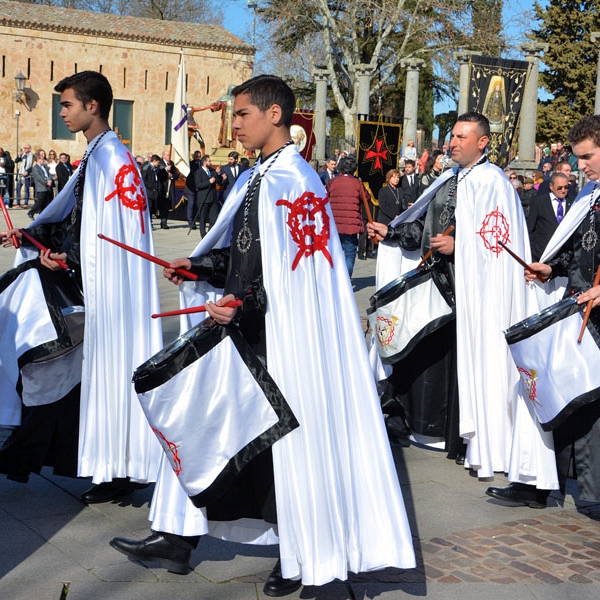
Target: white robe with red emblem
121,294
339,503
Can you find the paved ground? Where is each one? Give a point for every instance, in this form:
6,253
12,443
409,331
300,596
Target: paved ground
468,546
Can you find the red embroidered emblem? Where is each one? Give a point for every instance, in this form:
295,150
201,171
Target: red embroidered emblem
386,330
309,225
530,381
170,447
129,189
495,229
380,153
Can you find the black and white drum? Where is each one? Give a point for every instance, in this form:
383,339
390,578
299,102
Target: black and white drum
213,407
43,317
408,309
560,374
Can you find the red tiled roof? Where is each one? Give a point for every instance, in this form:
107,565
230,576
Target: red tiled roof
82,22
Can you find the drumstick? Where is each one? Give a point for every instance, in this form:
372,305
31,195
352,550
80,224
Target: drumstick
365,202
522,262
430,252
163,263
193,309
588,308
42,248
15,239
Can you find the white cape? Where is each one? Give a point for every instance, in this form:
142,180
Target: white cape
121,294
339,502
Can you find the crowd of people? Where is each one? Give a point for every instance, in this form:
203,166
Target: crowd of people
304,410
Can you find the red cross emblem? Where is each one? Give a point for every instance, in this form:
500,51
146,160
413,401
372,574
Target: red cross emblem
494,229
308,222
170,447
129,189
378,154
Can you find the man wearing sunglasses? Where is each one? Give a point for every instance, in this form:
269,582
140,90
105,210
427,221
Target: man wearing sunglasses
546,211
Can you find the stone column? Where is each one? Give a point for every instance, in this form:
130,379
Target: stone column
595,36
463,81
528,119
363,72
411,99
321,77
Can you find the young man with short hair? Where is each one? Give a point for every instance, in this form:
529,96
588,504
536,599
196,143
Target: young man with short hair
280,243
116,448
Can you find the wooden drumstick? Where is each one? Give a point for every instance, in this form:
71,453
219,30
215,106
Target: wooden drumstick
588,308
523,263
363,196
431,250
193,309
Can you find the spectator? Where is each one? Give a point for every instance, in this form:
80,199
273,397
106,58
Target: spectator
345,197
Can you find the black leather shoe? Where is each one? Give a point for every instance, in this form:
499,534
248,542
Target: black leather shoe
520,494
460,458
276,586
156,549
361,256
110,490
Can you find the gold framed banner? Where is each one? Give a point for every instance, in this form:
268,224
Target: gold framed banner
496,89
378,151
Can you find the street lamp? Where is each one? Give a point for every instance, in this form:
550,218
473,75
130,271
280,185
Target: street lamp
20,80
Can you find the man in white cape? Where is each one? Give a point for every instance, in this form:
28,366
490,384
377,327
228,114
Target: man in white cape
117,449
338,501
490,291
572,251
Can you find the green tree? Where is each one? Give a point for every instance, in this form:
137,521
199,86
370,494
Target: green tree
569,71
486,16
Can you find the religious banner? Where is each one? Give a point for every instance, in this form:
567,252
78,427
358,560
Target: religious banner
496,90
302,132
378,151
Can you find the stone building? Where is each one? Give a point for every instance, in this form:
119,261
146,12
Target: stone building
140,58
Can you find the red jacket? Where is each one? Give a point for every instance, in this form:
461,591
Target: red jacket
345,200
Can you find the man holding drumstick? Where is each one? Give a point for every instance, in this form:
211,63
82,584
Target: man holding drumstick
574,252
276,247
483,206
114,445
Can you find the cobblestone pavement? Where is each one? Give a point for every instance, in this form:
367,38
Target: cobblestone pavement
554,548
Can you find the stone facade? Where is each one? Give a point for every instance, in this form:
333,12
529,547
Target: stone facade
140,58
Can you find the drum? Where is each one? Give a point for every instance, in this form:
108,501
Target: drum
213,407
48,331
408,309
560,375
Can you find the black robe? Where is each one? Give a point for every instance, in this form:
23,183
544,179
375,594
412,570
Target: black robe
425,383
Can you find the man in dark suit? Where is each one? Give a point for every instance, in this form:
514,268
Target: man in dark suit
329,172
230,172
409,184
155,180
546,211
565,168
63,170
190,192
170,176
205,181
